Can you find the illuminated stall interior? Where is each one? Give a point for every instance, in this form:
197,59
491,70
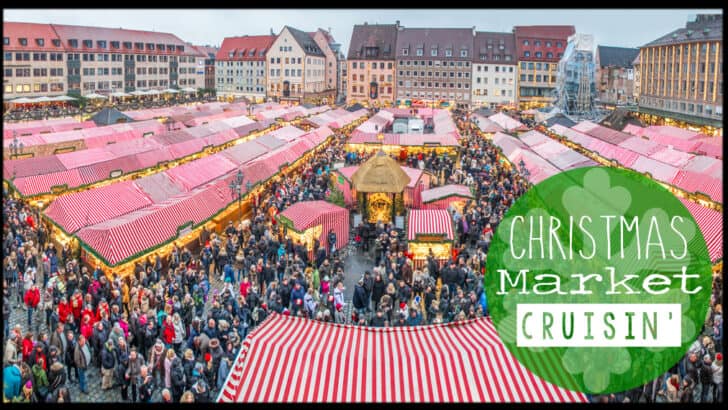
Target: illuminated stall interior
380,184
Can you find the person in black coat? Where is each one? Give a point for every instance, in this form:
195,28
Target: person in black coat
361,304
378,286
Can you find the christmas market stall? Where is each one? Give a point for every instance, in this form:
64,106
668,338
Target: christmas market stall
419,181
455,362
429,230
446,196
380,183
307,221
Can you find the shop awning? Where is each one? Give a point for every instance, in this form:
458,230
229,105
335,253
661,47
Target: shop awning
454,362
429,222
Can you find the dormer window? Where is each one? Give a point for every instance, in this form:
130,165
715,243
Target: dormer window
115,45
101,43
371,51
150,46
56,42
88,43
181,49
170,47
23,41
73,43
433,52
448,52
261,53
40,41
387,49
231,54
463,53
139,46
160,47
127,45
6,41
420,52
405,51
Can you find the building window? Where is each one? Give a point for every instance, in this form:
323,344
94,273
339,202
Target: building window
23,41
549,55
405,52
39,41
525,42
538,54
558,44
6,41
527,54
463,53
448,52
537,43
548,44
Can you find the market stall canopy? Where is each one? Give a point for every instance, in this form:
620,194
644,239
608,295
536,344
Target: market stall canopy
43,99
153,92
63,98
23,100
94,96
380,174
455,362
189,90
120,94
170,91
138,92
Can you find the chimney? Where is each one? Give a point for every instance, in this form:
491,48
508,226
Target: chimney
473,31
397,23
271,32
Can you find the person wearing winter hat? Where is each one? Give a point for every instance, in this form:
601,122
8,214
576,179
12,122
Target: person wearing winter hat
12,380
26,395
717,373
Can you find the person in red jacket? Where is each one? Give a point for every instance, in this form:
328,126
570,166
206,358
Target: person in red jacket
244,287
27,346
168,333
88,311
77,305
87,327
64,309
101,309
31,299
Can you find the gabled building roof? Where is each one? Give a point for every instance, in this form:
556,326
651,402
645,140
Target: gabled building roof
616,56
438,39
552,32
305,41
242,48
487,45
706,27
557,35
31,32
383,37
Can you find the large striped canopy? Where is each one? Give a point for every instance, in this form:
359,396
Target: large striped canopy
291,359
429,221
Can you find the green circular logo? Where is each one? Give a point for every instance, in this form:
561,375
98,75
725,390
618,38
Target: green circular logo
598,280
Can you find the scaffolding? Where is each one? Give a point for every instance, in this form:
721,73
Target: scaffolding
576,88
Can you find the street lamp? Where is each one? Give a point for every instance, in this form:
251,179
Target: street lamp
16,147
236,186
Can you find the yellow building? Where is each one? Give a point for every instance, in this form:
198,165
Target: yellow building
681,77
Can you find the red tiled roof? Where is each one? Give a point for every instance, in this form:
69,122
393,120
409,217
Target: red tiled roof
244,44
81,33
30,31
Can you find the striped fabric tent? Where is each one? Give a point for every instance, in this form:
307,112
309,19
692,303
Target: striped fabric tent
428,222
290,359
710,222
436,228
309,214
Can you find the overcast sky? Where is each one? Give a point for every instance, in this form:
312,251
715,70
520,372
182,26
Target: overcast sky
613,27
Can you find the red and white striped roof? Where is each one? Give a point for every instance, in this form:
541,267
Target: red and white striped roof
711,225
305,213
429,221
456,362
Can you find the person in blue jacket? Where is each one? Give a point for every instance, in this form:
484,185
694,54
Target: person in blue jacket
483,303
11,381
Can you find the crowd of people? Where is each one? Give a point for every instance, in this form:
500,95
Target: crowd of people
170,331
